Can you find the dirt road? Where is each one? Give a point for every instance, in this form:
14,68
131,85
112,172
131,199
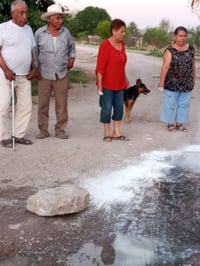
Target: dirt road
52,162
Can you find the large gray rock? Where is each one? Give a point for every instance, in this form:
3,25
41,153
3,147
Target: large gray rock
57,201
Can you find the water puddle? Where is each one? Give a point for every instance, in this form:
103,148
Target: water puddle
153,208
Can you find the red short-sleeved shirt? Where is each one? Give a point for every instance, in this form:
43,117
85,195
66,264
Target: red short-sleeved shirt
111,64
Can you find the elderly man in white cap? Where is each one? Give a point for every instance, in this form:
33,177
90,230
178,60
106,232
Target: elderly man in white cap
55,55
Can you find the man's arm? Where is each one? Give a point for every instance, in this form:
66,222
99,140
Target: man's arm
34,72
8,73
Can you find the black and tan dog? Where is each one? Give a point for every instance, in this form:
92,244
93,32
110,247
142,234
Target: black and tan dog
130,96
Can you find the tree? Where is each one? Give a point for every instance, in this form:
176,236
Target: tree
156,37
103,29
196,38
89,18
5,10
35,9
134,29
74,26
165,25
41,4
132,34
195,5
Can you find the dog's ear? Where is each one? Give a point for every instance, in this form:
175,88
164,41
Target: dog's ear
138,82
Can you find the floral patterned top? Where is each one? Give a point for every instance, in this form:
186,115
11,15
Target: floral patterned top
179,77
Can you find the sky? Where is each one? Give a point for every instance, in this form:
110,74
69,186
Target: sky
145,13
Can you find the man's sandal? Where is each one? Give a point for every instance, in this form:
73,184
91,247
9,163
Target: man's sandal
171,128
23,141
7,143
180,127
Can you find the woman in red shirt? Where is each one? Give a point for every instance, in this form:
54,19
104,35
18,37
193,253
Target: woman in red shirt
112,79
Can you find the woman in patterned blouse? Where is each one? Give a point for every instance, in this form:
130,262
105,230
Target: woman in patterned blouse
177,78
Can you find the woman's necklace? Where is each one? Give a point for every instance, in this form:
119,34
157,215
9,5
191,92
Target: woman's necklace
117,45
181,48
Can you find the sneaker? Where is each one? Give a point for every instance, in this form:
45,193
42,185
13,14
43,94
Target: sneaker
62,135
42,135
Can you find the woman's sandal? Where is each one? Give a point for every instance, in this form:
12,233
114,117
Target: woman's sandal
171,127
107,138
122,138
23,141
7,143
180,127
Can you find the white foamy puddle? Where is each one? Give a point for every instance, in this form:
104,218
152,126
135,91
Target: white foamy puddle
127,186
121,186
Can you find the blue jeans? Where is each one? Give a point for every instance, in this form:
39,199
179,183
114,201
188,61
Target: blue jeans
175,106
108,101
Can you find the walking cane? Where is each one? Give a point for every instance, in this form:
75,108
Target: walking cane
13,114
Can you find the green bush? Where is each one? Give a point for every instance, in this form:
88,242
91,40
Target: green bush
156,52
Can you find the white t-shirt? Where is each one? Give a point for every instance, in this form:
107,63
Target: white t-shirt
16,45
54,42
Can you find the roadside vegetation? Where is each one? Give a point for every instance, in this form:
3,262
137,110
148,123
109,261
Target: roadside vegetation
75,76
